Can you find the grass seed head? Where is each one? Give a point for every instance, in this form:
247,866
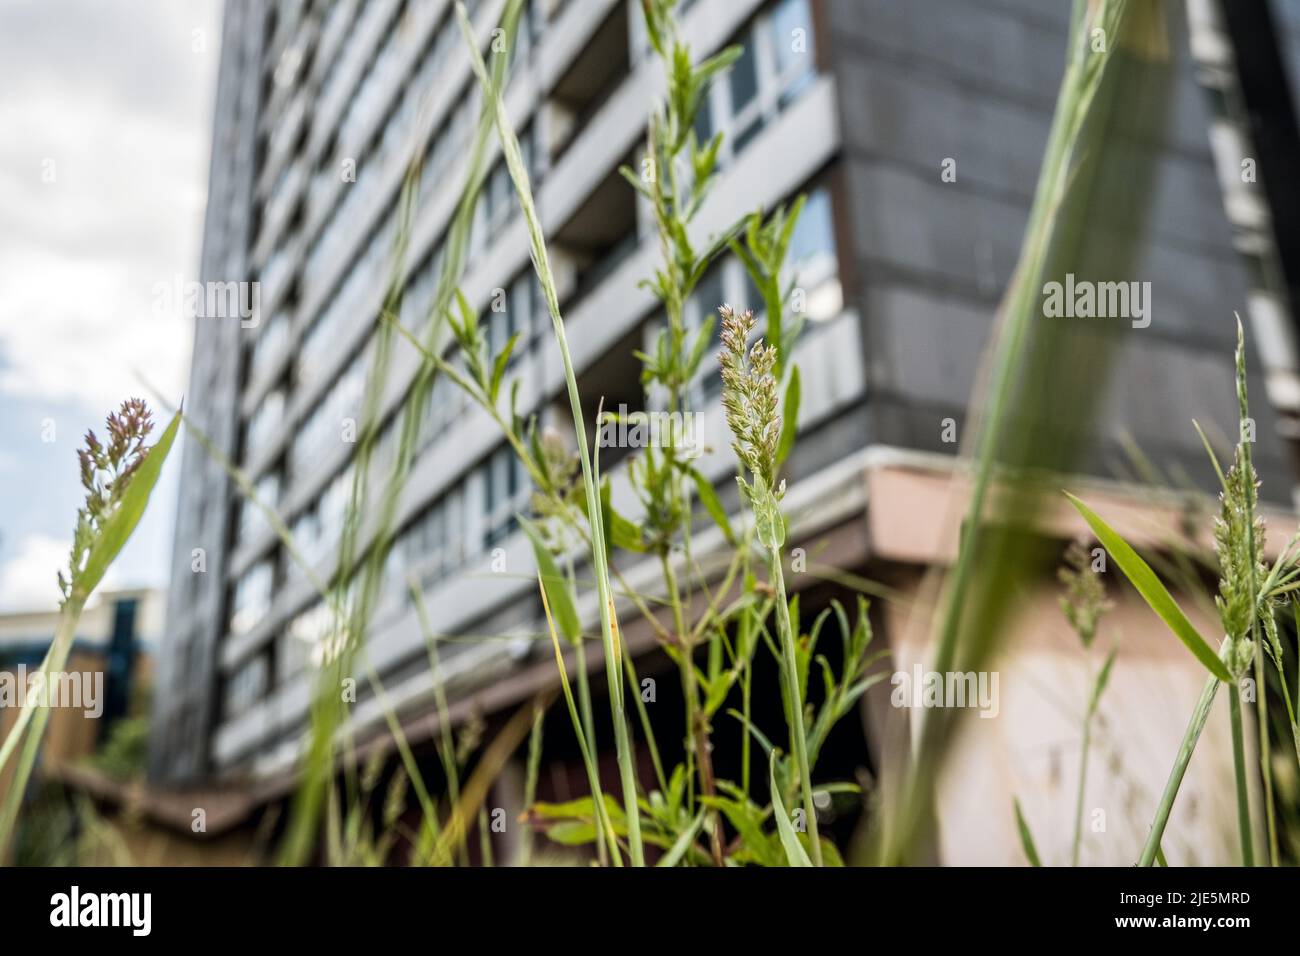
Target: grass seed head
106,470
749,395
1239,543
749,398
1083,600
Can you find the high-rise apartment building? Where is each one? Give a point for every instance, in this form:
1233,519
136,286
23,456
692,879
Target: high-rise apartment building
858,104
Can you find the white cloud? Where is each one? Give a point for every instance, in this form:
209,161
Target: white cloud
83,256
115,93
28,580
127,145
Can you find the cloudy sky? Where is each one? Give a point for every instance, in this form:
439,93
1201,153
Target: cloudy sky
105,112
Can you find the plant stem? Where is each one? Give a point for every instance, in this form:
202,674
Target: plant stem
599,557
794,700
695,722
1083,779
1193,734
588,725
530,779
745,687
1247,478
602,824
1239,772
38,716
1265,751
634,685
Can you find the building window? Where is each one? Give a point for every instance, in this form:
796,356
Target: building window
811,272
252,520
304,641
511,312
246,686
325,425
777,65
430,548
506,493
252,597
264,423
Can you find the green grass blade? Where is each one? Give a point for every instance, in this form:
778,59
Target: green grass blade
789,416
600,564
1166,805
555,585
794,851
1153,592
1026,838
683,842
114,535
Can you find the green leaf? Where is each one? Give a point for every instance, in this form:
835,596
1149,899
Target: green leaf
747,821
683,842
620,532
789,416
557,586
787,223
117,530
794,852
499,368
1153,592
572,832
753,731
720,242
1026,838
1214,459
830,854
627,173
583,808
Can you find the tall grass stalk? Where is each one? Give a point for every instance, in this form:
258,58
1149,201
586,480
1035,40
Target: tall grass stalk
749,397
356,603
1245,603
798,735
532,770
1185,750
600,562
119,478
1083,603
1239,774
604,827
1034,408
